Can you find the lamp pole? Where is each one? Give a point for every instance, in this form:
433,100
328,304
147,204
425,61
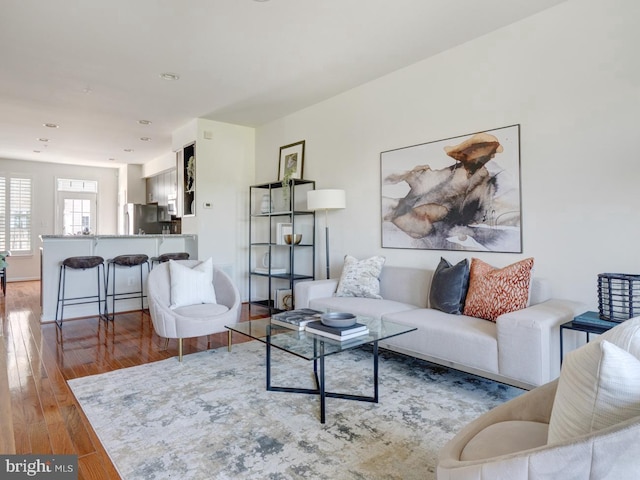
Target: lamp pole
326,200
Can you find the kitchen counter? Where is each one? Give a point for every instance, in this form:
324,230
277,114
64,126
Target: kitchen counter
150,235
55,248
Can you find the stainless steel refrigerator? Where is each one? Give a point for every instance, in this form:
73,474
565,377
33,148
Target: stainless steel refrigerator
140,219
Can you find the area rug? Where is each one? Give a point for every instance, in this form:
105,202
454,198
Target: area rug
210,417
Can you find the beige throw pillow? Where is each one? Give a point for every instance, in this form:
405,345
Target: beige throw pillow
599,387
360,278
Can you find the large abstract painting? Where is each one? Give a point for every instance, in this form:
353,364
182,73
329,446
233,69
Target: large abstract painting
461,193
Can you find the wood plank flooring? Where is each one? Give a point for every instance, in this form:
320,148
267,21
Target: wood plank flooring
38,412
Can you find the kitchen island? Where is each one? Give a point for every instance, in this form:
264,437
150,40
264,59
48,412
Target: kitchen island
79,283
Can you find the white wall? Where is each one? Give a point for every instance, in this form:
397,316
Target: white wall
224,170
569,76
44,193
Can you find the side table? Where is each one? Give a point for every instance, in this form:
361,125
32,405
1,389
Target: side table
582,327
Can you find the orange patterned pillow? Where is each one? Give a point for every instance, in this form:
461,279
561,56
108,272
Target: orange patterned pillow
494,291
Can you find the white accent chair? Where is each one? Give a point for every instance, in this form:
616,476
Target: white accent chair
512,441
193,320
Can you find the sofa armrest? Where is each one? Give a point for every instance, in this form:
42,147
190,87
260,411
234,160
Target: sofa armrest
304,292
529,340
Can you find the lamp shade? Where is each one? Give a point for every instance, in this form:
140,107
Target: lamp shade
329,199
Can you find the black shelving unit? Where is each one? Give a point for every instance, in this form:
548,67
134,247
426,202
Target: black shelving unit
274,265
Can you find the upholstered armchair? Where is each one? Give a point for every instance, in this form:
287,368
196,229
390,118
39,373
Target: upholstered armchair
193,319
584,425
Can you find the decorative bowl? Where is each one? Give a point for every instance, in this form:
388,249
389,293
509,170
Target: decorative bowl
338,319
296,238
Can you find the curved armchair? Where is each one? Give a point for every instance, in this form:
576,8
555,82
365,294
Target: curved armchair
193,320
512,441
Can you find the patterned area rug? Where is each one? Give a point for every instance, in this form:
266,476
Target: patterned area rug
211,417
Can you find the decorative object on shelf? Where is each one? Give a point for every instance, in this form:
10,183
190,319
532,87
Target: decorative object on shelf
327,199
282,230
266,205
290,166
293,239
466,198
284,299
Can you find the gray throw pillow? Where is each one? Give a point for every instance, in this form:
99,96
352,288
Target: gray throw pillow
449,286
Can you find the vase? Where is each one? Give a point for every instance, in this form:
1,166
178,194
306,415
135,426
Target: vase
266,206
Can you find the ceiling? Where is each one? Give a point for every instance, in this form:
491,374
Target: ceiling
93,67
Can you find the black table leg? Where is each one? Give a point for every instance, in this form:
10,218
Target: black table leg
268,361
322,391
375,372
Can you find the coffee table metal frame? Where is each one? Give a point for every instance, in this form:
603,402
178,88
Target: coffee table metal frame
296,342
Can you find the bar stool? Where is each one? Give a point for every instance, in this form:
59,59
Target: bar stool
78,263
128,261
165,257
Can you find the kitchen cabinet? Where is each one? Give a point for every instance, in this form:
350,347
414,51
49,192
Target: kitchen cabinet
161,187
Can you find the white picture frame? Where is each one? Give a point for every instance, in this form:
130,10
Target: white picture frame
283,229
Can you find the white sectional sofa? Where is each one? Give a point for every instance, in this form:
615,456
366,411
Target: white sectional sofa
520,348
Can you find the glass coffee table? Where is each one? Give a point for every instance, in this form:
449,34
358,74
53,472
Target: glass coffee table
314,347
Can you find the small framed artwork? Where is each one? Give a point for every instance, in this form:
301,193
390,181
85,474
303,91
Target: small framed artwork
283,229
291,161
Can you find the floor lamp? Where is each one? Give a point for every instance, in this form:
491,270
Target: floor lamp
326,200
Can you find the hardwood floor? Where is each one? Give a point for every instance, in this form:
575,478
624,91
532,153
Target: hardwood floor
38,412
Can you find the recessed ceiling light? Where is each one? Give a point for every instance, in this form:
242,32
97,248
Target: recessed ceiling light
144,122
145,139
260,1
36,151
112,159
43,139
50,125
128,150
169,76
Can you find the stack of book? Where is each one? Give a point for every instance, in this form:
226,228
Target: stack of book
296,319
337,333
593,318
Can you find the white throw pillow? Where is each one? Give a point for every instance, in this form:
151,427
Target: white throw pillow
626,336
191,286
360,278
599,387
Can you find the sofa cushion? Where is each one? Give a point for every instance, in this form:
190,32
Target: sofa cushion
459,339
360,278
503,438
191,286
449,286
368,307
494,291
599,386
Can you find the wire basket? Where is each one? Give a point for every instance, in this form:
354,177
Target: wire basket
618,296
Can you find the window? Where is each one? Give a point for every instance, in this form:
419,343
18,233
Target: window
77,202
15,215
